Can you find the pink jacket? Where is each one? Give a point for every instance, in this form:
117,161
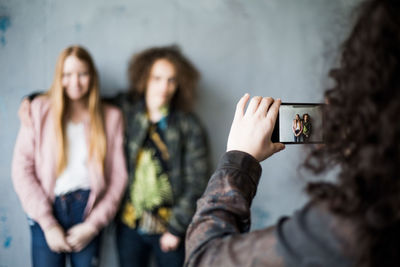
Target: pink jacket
34,162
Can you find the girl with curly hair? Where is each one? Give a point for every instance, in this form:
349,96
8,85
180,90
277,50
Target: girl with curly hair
168,158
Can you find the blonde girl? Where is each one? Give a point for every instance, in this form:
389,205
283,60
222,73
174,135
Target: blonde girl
69,168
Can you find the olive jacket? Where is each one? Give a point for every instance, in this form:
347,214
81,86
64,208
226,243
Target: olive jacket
189,164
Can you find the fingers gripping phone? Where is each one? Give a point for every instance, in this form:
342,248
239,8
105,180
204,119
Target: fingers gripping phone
299,123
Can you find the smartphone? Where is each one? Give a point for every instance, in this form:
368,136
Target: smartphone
299,123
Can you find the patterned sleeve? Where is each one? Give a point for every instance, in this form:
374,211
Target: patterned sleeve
218,234
196,171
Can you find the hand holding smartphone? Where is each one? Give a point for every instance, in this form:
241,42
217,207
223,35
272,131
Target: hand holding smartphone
252,127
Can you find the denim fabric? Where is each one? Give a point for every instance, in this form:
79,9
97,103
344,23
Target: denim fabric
134,249
68,210
297,138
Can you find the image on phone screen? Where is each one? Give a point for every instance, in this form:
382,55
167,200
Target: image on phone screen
299,123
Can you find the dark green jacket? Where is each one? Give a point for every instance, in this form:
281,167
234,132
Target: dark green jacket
189,165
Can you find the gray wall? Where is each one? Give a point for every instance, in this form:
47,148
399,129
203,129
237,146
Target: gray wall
279,48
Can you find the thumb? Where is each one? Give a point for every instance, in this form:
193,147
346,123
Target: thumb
65,246
278,147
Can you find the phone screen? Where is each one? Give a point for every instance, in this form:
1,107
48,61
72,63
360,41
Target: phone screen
299,123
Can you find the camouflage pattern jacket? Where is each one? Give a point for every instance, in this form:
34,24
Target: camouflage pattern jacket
219,233
189,166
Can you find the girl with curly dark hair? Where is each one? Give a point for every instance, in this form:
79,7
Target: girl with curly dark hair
307,126
354,221
168,158
186,79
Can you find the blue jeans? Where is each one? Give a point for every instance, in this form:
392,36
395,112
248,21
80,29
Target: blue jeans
297,138
68,210
134,249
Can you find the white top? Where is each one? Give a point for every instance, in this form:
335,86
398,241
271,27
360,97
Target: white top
75,176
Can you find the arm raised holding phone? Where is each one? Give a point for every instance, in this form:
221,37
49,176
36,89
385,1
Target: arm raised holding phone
219,233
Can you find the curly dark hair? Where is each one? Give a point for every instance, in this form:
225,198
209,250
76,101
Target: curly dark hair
187,75
362,135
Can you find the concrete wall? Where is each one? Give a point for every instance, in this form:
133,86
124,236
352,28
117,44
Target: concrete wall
278,48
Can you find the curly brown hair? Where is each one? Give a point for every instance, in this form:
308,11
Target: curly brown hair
187,75
362,132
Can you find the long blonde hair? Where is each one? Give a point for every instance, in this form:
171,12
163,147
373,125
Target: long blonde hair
97,136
